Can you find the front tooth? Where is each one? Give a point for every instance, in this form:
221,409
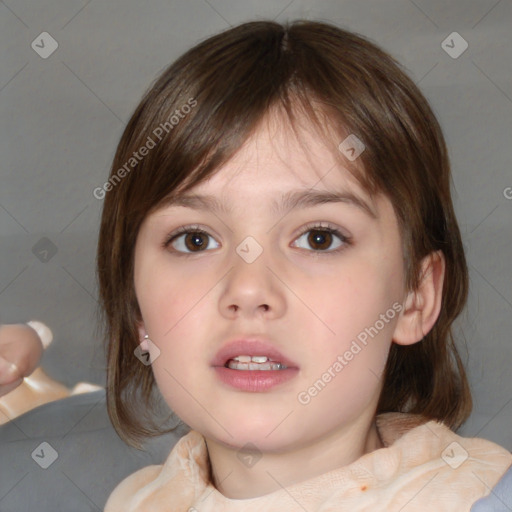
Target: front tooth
259,359
234,364
243,359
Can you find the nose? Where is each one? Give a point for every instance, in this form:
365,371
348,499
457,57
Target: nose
251,290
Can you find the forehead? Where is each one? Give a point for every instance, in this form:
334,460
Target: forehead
283,168
279,158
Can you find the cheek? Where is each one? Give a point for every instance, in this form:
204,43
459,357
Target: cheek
354,299
174,308
357,324
167,297
347,376
182,332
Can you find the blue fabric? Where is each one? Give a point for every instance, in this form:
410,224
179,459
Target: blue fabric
500,498
85,457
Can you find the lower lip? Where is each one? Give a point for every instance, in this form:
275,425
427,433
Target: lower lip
254,380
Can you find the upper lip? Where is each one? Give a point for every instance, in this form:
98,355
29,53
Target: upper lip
250,347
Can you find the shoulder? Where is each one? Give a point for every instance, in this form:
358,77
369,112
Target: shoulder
183,474
430,449
397,429
124,496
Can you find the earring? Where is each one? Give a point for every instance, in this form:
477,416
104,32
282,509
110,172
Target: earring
144,343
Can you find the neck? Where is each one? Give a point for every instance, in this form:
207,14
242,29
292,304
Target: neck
277,470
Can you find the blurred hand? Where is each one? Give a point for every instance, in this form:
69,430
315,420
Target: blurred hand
21,349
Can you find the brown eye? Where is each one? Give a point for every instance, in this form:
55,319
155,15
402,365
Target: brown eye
196,241
321,240
192,241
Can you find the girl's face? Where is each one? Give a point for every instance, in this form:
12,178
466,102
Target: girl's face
281,247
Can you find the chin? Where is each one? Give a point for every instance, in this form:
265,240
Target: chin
264,433
241,441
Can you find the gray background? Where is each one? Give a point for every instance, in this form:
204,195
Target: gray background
61,118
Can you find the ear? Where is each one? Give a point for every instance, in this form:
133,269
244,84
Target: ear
422,306
142,333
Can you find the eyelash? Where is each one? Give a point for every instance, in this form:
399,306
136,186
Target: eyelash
180,231
322,227
326,228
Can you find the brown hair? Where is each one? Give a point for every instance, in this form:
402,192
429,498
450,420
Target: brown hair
230,82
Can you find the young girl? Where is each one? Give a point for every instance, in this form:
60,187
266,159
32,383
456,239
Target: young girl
278,240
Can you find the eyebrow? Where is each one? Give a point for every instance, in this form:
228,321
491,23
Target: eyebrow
289,201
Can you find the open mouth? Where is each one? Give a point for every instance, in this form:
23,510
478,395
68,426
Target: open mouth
254,363
253,366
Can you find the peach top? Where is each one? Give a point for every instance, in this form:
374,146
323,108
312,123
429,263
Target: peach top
423,466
